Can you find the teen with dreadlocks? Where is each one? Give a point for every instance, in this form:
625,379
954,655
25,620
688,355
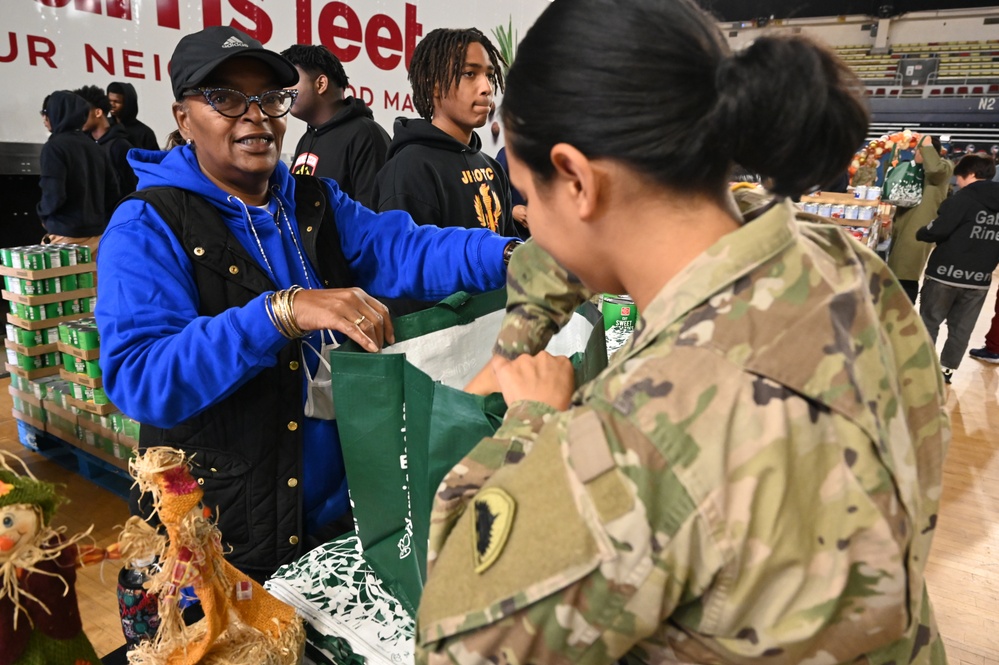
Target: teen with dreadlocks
436,170
342,142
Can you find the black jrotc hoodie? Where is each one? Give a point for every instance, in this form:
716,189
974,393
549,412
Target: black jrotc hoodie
966,232
444,182
79,185
350,148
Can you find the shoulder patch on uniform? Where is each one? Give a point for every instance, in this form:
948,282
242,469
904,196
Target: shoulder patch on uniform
493,519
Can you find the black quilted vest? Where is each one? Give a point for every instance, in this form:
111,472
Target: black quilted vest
249,446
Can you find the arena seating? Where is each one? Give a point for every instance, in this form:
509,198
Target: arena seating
965,68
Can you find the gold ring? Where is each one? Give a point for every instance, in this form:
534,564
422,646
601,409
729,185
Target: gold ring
360,321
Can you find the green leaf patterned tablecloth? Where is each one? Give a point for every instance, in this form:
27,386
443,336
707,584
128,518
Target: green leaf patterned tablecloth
350,617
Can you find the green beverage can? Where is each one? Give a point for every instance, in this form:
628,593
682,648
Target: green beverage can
79,391
93,369
53,258
68,255
50,335
620,315
64,333
5,257
89,338
117,422
82,254
96,395
34,260
29,337
29,363
85,280
68,283
71,307
79,365
12,332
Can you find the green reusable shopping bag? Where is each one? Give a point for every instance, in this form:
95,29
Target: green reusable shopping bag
903,184
404,421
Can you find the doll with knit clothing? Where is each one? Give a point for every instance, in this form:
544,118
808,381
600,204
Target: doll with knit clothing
243,623
39,615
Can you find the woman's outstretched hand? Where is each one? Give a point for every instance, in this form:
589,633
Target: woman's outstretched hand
351,311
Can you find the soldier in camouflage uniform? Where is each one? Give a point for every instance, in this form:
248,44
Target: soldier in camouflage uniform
753,480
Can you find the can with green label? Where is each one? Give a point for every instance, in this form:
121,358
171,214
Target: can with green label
620,316
28,337
85,280
89,338
64,333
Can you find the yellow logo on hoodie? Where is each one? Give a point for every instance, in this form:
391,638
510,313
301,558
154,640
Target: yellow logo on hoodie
487,208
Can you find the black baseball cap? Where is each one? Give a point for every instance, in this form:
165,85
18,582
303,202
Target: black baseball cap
201,52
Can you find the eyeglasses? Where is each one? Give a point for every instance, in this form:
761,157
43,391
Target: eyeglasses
43,112
233,103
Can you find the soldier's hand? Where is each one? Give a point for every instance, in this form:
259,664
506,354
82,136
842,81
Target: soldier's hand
350,311
483,383
542,378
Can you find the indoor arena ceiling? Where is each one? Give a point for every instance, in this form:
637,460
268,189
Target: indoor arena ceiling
744,10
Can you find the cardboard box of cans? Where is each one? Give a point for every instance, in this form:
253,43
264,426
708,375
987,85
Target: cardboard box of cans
49,285
53,310
48,401
32,338
80,334
44,257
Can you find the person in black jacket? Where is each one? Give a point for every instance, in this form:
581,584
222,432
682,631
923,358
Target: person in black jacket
125,109
342,142
79,185
959,271
112,138
436,170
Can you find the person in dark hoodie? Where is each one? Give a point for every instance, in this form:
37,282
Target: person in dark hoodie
436,170
125,109
959,270
79,185
112,138
342,142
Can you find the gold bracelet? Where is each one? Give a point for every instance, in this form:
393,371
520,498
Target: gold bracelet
282,316
292,292
286,314
269,308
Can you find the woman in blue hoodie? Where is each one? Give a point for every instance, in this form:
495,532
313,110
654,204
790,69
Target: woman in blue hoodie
200,310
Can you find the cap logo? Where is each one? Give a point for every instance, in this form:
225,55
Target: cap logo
233,42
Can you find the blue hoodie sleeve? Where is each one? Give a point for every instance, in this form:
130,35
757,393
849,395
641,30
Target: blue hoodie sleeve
162,362
391,256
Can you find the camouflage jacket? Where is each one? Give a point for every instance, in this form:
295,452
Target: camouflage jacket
754,479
